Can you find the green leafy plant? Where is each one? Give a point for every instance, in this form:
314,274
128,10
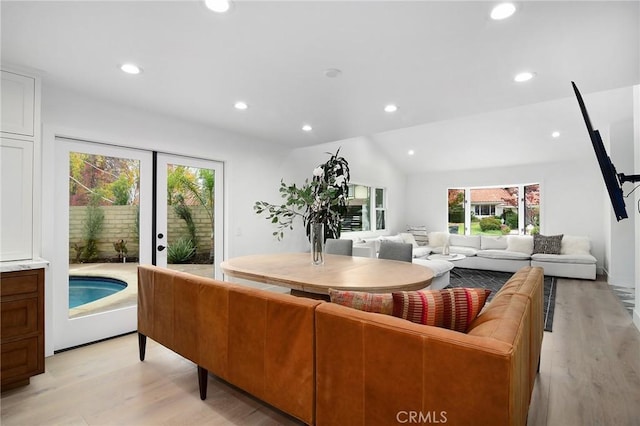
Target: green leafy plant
183,183
490,223
121,188
181,251
184,212
511,218
94,219
321,200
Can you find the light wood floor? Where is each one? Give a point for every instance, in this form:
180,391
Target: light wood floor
590,375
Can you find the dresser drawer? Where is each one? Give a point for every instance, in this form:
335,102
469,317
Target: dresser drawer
20,359
18,317
20,282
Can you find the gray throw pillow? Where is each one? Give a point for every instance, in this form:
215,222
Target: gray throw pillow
547,244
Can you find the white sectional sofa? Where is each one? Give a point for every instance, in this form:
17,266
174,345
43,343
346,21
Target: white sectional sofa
511,252
507,253
441,268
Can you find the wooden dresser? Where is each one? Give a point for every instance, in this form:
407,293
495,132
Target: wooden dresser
21,326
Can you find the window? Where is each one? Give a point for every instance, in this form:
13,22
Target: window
494,210
360,215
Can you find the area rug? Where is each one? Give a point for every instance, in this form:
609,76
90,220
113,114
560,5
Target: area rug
494,281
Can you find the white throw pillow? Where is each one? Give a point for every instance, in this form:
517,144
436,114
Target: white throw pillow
472,241
438,239
392,238
493,243
409,239
575,245
520,243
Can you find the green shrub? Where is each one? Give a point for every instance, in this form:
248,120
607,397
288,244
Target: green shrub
181,251
456,214
506,230
490,224
94,219
511,218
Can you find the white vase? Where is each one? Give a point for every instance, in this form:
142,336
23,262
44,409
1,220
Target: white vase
317,243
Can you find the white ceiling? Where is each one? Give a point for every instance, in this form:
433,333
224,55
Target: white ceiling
447,65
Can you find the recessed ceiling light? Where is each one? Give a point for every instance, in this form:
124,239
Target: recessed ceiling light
555,134
131,68
240,105
411,152
391,108
523,76
218,6
307,128
332,72
503,11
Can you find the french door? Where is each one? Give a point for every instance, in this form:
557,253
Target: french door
116,208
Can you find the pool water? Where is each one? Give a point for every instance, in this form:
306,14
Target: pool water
88,289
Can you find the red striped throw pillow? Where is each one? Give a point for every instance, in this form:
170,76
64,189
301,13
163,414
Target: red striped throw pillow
368,302
453,308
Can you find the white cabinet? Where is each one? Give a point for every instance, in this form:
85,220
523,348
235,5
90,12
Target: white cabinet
16,209
18,103
19,151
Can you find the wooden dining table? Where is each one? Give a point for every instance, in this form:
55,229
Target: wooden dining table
295,270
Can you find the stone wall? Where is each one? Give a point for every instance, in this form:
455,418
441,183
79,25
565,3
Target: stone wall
120,224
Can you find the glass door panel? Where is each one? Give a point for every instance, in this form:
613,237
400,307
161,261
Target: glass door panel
103,203
494,211
456,215
104,243
189,215
532,209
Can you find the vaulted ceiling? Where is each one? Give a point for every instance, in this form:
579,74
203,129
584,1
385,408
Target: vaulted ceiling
447,66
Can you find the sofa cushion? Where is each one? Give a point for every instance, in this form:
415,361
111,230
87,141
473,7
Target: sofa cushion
572,244
439,267
453,308
369,302
472,241
438,239
583,259
547,244
503,254
421,251
488,242
520,243
467,251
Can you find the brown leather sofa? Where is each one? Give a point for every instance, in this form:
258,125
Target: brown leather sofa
327,364
259,341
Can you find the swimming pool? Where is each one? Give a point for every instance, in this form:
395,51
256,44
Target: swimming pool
88,289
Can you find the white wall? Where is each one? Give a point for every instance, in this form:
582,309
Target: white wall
621,267
571,195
